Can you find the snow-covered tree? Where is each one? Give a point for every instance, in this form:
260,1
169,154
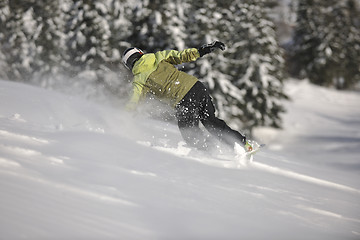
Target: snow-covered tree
327,42
17,42
119,20
49,40
159,25
203,27
118,17
88,34
247,81
4,15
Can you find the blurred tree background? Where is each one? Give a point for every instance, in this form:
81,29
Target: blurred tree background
79,43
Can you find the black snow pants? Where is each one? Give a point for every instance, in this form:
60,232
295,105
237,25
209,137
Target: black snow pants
197,106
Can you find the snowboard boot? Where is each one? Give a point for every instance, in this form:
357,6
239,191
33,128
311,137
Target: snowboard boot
248,146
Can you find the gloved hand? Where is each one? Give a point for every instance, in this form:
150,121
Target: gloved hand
208,48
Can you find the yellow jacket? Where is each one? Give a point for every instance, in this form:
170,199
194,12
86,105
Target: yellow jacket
155,73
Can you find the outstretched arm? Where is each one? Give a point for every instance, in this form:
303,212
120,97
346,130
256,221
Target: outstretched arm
178,57
190,54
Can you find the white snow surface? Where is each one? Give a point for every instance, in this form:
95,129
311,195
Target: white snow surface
74,169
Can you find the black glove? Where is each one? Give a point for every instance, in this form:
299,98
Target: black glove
208,48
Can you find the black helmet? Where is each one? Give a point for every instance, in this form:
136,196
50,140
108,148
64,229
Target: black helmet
130,56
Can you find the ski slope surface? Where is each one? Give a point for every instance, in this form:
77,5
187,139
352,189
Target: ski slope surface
71,168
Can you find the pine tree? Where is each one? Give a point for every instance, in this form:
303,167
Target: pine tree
49,40
203,27
205,24
347,59
160,25
118,17
147,33
17,42
88,36
327,42
4,15
256,66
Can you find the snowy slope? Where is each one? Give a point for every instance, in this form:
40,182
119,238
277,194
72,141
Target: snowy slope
73,169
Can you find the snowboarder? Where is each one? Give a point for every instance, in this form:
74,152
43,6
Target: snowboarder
155,73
